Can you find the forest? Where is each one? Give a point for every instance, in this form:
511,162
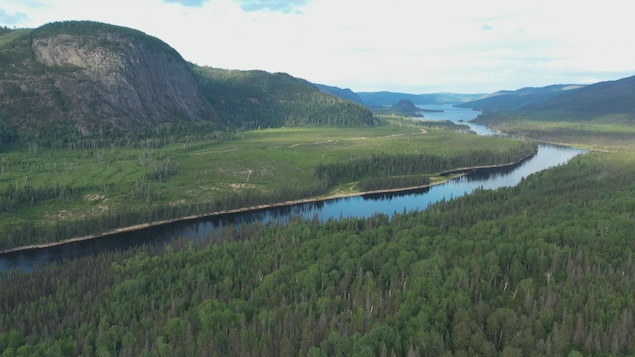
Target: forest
541,269
260,99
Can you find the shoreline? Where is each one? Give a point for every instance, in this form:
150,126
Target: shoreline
142,226
450,174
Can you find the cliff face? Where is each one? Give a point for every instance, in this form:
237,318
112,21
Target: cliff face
106,79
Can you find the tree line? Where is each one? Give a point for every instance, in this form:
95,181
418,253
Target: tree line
383,165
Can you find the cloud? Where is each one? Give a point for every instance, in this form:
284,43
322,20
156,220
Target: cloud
284,6
12,19
187,3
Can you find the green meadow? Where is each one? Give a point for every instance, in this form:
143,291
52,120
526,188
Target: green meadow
612,132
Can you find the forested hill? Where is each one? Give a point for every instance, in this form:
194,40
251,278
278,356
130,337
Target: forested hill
575,102
516,99
345,93
86,79
260,99
603,98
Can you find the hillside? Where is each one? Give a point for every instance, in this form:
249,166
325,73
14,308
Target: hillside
510,100
581,102
261,99
86,79
405,106
603,98
344,93
402,107
599,115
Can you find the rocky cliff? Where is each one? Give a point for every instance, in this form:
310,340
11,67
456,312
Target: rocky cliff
94,76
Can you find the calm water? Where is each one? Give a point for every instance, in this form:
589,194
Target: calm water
456,115
360,206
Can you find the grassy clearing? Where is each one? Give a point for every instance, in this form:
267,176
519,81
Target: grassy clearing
610,132
108,180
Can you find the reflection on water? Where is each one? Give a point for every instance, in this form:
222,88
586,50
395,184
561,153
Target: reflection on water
358,206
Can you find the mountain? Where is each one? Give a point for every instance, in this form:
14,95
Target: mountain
378,99
405,106
85,79
511,100
260,99
603,98
345,93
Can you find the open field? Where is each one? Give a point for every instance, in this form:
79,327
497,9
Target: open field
45,186
610,132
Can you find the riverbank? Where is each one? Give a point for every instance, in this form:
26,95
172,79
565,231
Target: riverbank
449,174
215,214
464,170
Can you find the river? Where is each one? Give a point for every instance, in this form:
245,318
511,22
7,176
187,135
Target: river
357,206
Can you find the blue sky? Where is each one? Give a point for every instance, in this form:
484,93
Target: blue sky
414,46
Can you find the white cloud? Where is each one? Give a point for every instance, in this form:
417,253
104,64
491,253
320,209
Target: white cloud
190,3
454,45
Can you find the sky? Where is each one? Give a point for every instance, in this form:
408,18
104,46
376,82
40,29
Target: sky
412,46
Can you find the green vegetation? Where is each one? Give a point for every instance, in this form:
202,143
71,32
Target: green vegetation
608,132
258,99
513,100
542,269
598,116
8,35
53,194
402,107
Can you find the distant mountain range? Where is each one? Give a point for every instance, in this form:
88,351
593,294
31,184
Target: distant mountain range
379,99
516,99
344,93
402,107
610,97
570,101
385,99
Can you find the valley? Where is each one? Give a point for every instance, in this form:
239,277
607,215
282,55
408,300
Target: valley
104,128
57,194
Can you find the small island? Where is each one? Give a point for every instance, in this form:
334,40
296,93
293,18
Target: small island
406,107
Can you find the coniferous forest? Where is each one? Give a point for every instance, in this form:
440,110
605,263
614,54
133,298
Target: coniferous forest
543,269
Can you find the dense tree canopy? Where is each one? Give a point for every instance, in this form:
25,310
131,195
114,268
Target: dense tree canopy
259,99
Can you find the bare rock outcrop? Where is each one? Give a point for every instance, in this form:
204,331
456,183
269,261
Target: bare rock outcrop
108,79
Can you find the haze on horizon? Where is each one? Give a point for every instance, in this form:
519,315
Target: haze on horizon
402,45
